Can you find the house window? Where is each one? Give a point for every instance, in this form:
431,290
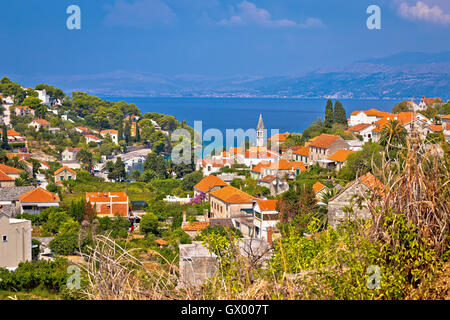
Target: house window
69,177
61,178
5,238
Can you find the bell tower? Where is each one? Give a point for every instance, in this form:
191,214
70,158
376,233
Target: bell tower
260,132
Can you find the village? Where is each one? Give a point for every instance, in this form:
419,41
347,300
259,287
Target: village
244,189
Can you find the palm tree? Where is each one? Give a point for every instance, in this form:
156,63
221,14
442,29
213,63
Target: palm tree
323,206
393,135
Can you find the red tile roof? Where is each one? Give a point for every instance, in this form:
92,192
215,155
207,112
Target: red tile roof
340,155
90,136
317,187
209,182
110,131
268,178
288,165
303,151
39,195
231,194
8,170
446,116
161,242
5,177
259,167
195,226
64,168
359,127
42,122
267,205
372,112
106,197
373,183
280,137
435,127
324,141
429,101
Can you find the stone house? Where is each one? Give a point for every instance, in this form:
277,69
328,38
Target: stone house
39,123
301,154
64,174
9,198
274,184
364,186
284,168
324,146
70,154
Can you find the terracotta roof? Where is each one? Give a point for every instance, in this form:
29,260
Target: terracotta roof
303,151
432,100
435,127
340,155
90,136
195,226
106,197
359,127
447,126
42,122
209,182
288,165
372,183
8,170
446,117
23,107
324,141
73,149
5,177
261,154
259,167
267,205
371,112
64,168
268,178
216,163
39,195
279,137
110,131
231,194
45,164
317,187
19,155
10,133
161,242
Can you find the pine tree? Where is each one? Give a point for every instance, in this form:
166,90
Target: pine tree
329,114
120,133
5,144
138,134
340,116
127,132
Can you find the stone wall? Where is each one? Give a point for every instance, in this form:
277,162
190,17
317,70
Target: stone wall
335,212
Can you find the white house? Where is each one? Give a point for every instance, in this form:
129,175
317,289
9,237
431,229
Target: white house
38,123
113,133
15,241
90,138
366,116
43,96
427,102
265,218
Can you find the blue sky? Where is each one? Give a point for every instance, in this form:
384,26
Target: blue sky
212,37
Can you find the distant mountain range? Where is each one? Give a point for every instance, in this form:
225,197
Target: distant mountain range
399,76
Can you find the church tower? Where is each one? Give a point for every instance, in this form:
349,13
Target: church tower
260,133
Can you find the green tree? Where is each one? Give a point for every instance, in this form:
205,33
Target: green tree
403,106
85,156
5,144
329,114
393,135
340,116
157,164
149,224
191,179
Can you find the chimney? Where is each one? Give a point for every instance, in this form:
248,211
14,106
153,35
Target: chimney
184,216
269,235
